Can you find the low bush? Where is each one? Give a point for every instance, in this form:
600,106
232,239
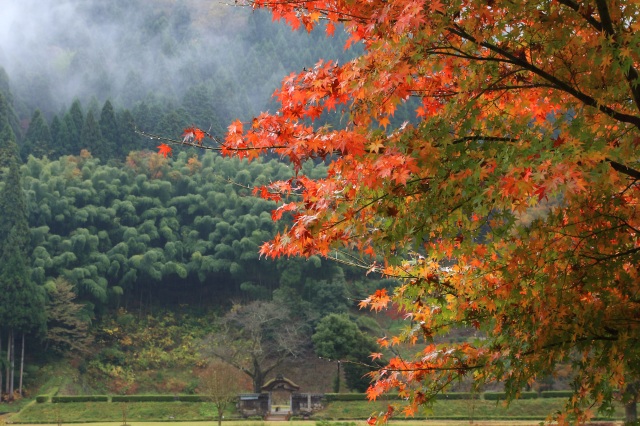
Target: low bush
528,395
345,397
457,395
192,398
42,398
556,394
501,396
79,398
153,398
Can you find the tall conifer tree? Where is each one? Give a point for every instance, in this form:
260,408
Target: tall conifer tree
76,116
110,132
91,137
21,300
38,141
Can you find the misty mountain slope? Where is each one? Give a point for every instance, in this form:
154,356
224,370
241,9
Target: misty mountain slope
125,50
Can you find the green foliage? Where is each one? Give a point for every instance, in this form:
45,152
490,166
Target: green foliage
79,398
145,398
21,300
110,132
169,231
458,395
75,123
156,341
109,230
91,137
501,396
67,325
338,338
38,140
556,394
330,397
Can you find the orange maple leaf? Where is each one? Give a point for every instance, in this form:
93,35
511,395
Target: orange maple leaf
193,134
164,149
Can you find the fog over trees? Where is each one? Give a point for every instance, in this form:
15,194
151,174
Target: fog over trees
218,62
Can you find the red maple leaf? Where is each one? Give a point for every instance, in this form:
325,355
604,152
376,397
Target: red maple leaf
164,149
193,134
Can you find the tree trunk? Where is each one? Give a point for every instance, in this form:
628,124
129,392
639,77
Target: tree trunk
21,366
631,412
258,376
0,368
219,418
630,407
8,369
13,365
336,386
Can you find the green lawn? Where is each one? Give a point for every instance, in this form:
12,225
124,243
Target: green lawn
538,408
113,412
467,410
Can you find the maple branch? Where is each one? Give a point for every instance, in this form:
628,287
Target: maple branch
573,341
619,167
356,262
447,51
576,7
483,138
459,368
521,86
195,144
342,15
599,259
556,82
631,74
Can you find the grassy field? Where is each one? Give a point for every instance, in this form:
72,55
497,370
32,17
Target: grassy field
113,412
460,410
356,423
525,409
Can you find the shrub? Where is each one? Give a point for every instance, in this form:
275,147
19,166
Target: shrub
79,398
42,398
528,395
144,398
457,395
556,394
494,396
501,396
345,396
358,397
192,398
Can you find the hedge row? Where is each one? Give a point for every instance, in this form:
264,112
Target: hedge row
329,397
490,396
79,398
557,394
501,396
158,398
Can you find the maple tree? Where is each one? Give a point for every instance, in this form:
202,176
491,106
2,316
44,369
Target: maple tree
510,203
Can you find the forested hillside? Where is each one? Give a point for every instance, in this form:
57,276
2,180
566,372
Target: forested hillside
133,260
